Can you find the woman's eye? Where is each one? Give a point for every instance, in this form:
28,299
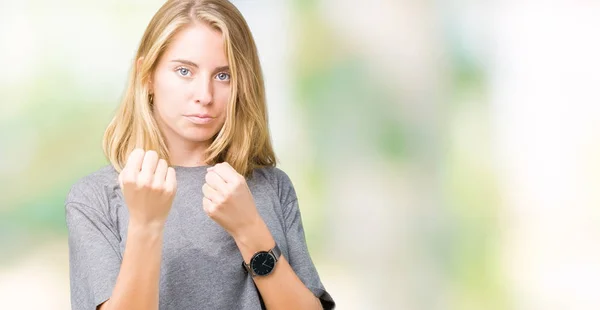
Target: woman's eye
223,76
183,71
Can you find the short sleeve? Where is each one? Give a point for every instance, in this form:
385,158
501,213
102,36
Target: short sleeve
94,255
299,257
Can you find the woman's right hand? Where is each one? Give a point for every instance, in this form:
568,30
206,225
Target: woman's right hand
148,185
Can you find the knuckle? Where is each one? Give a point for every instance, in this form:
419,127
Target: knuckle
156,187
210,176
207,208
144,182
236,182
127,178
224,199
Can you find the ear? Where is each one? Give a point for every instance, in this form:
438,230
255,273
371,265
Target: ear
138,66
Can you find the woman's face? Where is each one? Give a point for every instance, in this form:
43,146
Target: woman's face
191,86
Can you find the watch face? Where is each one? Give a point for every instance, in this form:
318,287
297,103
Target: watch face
262,263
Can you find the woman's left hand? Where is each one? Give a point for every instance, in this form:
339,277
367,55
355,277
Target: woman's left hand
228,200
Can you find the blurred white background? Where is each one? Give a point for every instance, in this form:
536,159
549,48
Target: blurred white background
445,152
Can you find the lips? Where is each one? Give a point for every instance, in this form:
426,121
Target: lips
200,115
199,118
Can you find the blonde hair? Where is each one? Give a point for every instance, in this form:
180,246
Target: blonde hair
243,141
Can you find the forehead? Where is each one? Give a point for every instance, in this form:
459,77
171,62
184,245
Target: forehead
198,43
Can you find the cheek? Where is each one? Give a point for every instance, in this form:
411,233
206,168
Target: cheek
221,97
168,85
220,102
169,92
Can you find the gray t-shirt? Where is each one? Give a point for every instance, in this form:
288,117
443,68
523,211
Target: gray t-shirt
201,266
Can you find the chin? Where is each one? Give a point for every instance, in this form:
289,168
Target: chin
198,133
199,136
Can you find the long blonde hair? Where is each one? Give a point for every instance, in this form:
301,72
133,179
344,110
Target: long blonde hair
243,141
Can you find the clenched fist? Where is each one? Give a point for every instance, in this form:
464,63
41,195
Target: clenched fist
228,200
148,185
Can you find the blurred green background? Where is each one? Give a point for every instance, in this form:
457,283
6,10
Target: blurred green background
445,153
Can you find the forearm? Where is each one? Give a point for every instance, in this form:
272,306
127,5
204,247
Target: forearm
137,285
281,289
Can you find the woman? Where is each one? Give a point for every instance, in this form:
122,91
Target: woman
191,213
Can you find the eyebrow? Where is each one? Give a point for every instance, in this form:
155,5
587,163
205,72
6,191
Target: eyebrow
193,64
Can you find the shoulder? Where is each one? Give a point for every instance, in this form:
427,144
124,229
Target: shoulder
278,180
93,188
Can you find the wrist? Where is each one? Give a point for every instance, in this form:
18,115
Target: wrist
145,229
254,239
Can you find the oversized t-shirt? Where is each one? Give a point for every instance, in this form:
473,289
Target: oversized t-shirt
201,266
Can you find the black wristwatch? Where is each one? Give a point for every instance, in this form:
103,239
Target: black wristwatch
262,263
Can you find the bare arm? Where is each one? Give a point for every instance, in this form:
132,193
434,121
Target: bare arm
138,280
148,186
229,202
281,289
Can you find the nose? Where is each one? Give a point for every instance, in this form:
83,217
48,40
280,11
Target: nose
203,90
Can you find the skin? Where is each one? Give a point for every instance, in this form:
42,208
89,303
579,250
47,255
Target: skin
192,78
